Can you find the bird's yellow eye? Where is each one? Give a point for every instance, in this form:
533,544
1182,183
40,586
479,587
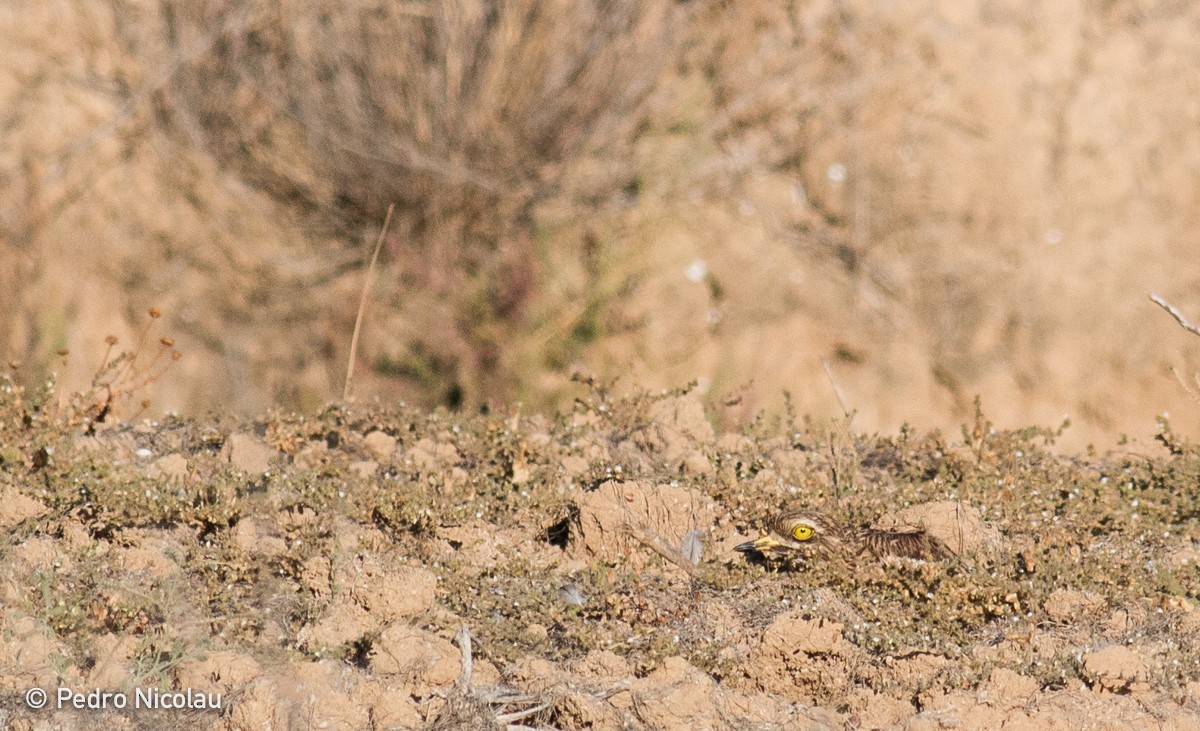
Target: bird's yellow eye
802,532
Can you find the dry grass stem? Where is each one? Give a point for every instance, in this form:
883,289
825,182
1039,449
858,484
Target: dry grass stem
1191,390
362,304
837,390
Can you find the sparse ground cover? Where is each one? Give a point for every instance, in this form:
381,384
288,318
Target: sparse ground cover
318,571
922,200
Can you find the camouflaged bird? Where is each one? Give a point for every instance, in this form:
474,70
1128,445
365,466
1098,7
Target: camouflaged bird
806,534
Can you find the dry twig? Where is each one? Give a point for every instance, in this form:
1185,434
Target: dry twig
464,644
655,543
1191,327
1174,312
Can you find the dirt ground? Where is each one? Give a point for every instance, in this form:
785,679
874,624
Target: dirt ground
332,572
524,519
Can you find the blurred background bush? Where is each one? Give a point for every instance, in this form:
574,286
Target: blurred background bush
943,199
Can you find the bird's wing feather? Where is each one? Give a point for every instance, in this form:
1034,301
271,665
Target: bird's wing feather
915,543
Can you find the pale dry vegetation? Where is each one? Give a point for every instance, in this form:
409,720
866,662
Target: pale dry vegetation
943,200
881,210
463,115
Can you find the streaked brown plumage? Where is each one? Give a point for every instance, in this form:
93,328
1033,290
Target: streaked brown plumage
799,535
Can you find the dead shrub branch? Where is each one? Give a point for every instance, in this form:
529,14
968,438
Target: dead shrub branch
1174,312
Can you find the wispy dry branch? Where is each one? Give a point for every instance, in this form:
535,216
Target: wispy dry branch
1174,312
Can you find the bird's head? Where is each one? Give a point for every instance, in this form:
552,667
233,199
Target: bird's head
796,535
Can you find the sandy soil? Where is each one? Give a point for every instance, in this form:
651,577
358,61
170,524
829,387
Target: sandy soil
940,199
943,198
332,572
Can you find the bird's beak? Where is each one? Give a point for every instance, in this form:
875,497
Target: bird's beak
763,544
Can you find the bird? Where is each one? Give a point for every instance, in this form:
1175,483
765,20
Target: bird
808,534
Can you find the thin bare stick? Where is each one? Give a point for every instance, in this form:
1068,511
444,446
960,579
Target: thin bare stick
1173,312
1190,390
837,390
362,304
506,718
464,644
654,542
962,539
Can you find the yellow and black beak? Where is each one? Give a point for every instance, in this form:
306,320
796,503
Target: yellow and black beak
763,544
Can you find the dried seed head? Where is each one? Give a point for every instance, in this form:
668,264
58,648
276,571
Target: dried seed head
111,339
167,341
155,313
176,355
